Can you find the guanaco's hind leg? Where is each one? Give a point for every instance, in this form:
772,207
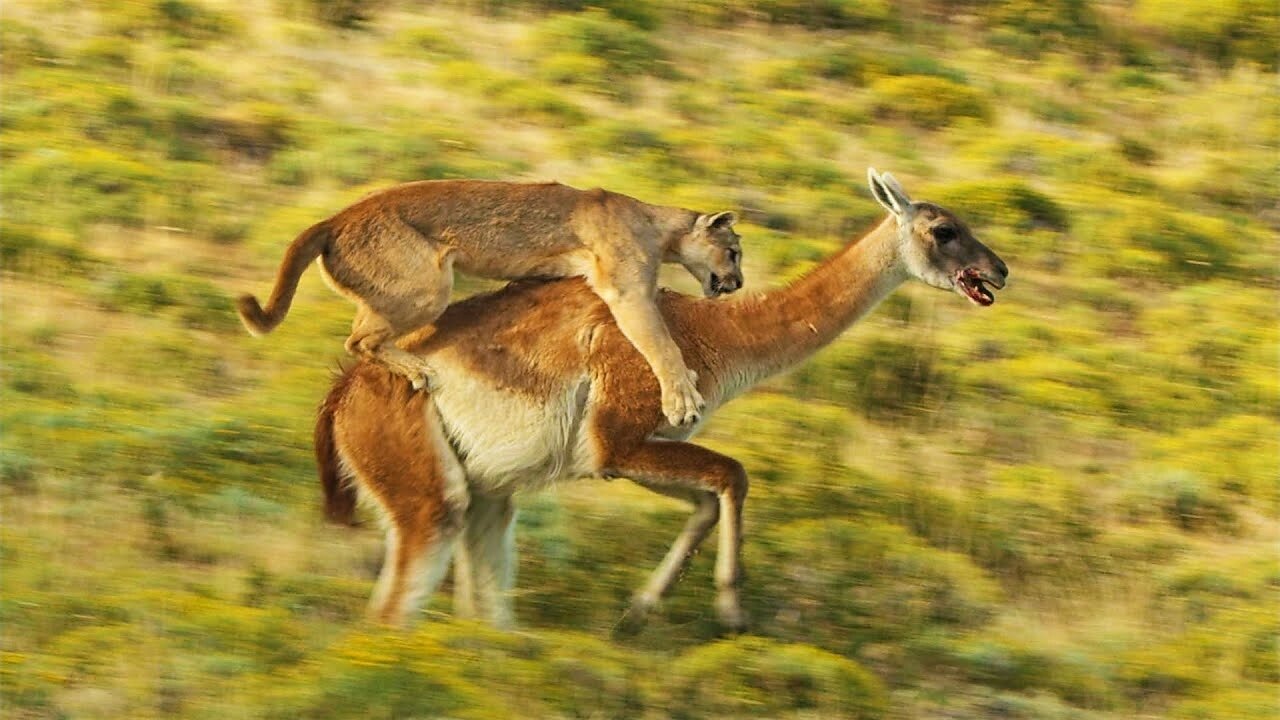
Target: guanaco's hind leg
403,464
417,557
484,565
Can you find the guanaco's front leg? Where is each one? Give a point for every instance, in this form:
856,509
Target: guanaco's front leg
681,469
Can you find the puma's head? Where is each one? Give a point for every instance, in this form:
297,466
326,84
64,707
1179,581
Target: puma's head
712,252
937,247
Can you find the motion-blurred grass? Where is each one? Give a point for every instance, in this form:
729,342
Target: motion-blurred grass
1064,506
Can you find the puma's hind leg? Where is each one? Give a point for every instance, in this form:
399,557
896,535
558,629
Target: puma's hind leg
373,336
403,305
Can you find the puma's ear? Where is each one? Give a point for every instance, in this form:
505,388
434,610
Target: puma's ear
718,221
888,193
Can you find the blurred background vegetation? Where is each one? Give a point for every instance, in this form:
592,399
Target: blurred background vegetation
1065,506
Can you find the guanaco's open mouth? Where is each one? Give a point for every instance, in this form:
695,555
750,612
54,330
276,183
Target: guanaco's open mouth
973,284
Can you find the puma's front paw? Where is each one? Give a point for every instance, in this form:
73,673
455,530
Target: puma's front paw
681,401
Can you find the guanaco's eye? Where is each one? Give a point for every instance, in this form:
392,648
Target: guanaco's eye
944,233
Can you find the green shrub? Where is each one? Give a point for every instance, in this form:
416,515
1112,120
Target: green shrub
89,185
1156,671
385,674
538,104
842,583
254,130
511,95
587,71
427,41
1141,546
625,49
926,101
205,306
1002,200
1253,702
1032,155
40,253
843,62
1213,583
1238,454
581,676
1137,151
753,677
1003,663
1128,78
1045,20
1162,242
190,74
881,377
907,63
797,440
345,14
1262,656
183,23
17,471
1223,31
832,14
623,136
1181,498
1243,183
107,53
34,374
568,68
1009,660
24,46
341,600
1031,523
127,292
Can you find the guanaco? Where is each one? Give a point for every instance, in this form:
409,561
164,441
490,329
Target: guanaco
539,384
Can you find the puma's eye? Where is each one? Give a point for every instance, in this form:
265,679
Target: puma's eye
944,233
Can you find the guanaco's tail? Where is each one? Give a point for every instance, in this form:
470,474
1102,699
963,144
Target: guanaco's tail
305,248
339,494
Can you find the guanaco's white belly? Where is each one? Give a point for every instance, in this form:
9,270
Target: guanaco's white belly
508,441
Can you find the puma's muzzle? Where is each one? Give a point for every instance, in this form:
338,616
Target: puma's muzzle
722,284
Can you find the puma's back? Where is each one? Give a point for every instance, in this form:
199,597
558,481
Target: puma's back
506,230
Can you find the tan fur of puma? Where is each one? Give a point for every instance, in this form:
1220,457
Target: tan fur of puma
393,254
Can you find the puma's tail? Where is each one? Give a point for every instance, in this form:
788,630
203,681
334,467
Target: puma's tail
339,492
301,252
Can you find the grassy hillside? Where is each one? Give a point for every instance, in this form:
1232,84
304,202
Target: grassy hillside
1064,506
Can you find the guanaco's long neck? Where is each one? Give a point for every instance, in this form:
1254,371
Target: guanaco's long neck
771,331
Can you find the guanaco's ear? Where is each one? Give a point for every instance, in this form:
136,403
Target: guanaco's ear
888,193
718,221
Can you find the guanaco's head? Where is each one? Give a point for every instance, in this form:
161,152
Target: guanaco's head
937,247
712,252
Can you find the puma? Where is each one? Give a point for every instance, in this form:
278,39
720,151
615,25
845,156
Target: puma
393,253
